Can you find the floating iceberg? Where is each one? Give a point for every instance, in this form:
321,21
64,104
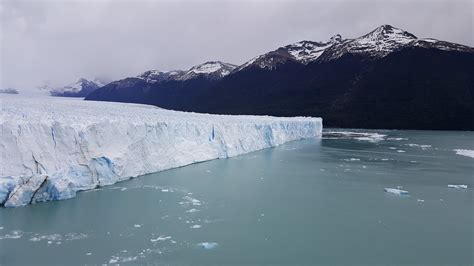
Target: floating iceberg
396,191
463,152
208,245
54,147
458,186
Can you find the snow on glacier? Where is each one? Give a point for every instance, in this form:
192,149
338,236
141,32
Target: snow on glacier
52,148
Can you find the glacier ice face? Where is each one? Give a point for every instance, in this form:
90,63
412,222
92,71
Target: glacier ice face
54,147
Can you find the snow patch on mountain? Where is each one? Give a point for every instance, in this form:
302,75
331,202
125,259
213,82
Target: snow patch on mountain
153,76
378,43
53,148
212,70
302,52
267,61
442,45
308,51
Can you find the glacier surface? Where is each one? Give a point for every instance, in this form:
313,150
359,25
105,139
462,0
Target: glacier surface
52,148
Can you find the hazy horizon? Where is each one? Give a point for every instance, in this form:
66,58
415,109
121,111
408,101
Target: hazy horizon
60,41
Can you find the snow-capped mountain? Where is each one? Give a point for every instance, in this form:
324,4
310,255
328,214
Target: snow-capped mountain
383,41
212,70
375,44
387,78
302,52
153,76
81,88
308,51
154,84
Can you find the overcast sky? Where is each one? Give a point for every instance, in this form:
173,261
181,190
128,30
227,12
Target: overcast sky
60,41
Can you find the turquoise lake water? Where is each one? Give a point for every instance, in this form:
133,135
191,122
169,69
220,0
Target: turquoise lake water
305,202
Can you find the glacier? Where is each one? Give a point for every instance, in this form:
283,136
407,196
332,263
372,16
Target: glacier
52,148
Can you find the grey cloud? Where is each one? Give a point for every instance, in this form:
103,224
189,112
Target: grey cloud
60,41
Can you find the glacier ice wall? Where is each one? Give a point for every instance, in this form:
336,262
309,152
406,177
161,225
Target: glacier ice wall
52,148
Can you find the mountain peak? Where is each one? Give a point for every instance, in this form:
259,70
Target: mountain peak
302,52
152,76
388,31
377,43
211,69
336,38
80,88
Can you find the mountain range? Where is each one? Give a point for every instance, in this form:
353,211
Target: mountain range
387,78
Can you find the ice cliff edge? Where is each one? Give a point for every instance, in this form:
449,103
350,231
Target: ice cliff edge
52,148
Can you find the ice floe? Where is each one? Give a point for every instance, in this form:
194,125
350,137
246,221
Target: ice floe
352,159
458,186
396,191
463,152
160,238
208,245
188,200
15,234
422,146
397,139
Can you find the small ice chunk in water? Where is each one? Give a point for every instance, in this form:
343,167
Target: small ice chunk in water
420,200
165,190
137,225
88,254
396,191
196,226
352,159
458,186
1,227
160,238
401,151
208,245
